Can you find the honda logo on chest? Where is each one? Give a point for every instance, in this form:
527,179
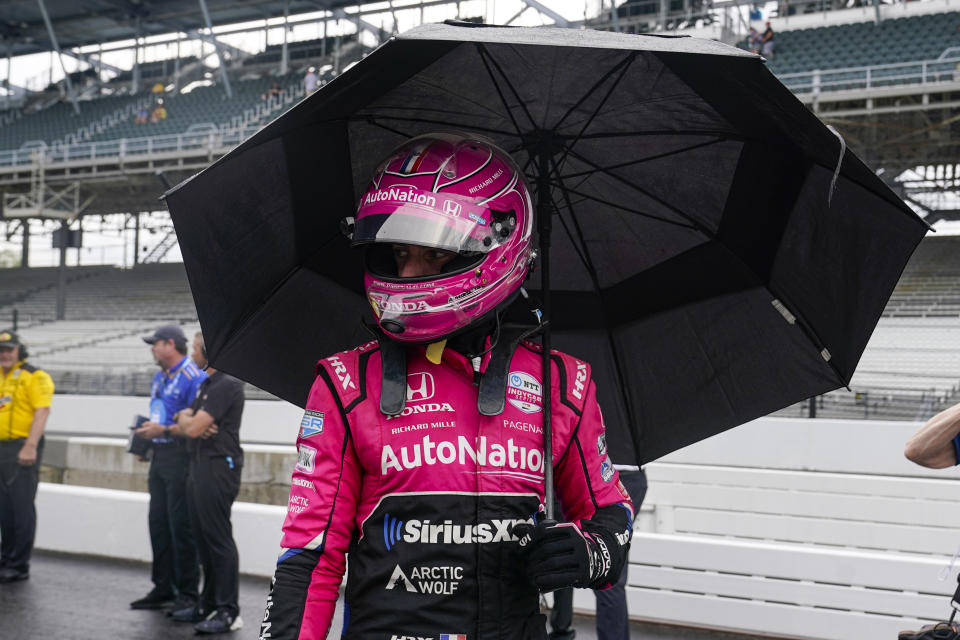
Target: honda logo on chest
419,386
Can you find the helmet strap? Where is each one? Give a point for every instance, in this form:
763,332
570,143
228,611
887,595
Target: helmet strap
393,376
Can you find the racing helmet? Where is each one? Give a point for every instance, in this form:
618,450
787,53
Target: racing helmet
456,192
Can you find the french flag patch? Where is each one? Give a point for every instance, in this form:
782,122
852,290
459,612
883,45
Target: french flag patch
413,160
453,636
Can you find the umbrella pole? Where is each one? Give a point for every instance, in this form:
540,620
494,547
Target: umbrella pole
545,226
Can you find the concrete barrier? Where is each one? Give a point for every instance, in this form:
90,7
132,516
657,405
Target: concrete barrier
264,421
105,463
108,522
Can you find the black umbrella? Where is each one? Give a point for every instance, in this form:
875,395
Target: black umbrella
717,254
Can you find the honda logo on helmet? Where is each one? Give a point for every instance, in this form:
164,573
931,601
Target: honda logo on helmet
419,386
451,208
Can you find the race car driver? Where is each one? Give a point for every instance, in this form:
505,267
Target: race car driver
420,455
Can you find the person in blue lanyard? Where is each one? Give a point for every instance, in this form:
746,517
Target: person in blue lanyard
175,572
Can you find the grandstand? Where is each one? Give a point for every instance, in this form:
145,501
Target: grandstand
113,117
59,123
863,44
302,50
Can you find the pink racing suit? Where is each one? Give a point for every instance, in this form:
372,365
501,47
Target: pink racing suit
424,503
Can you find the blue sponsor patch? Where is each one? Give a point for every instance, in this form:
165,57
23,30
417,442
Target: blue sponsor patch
311,424
476,218
606,470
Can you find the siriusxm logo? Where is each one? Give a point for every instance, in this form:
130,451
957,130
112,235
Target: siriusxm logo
447,532
391,530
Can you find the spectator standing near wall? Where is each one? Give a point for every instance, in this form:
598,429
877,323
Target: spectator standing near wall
937,446
25,397
310,81
159,112
212,428
175,573
766,42
753,40
612,615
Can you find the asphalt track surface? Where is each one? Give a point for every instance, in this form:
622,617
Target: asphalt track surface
72,597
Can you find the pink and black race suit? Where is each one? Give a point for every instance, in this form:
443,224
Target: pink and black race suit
424,503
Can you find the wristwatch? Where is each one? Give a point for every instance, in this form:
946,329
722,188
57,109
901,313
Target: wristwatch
166,431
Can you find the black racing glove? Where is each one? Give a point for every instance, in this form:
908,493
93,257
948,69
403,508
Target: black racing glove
561,554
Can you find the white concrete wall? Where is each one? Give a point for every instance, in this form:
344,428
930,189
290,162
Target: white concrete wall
855,446
106,522
844,446
266,421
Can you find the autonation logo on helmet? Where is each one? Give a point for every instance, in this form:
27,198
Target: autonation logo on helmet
430,452
401,194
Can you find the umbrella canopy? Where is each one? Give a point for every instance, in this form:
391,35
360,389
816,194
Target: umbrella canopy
717,253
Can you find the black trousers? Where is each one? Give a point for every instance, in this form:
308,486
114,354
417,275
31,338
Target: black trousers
175,570
18,514
211,489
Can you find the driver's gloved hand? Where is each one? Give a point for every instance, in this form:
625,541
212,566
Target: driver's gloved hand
561,554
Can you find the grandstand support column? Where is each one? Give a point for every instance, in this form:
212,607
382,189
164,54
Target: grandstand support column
9,66
56,47
136,238
614,17
284,53
135,72
547,11
62,272
336,55
393,14
25,247
176,67
216,46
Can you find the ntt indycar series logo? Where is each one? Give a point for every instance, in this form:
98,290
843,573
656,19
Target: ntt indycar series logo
430,452
415,531
524,392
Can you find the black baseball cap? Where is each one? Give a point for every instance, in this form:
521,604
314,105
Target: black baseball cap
167,332
9,339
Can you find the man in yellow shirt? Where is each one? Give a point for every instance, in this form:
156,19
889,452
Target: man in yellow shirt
25,396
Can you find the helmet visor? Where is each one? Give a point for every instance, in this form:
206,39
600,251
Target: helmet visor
425,218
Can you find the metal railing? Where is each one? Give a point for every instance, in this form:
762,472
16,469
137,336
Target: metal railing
128,147
243,126
943,69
